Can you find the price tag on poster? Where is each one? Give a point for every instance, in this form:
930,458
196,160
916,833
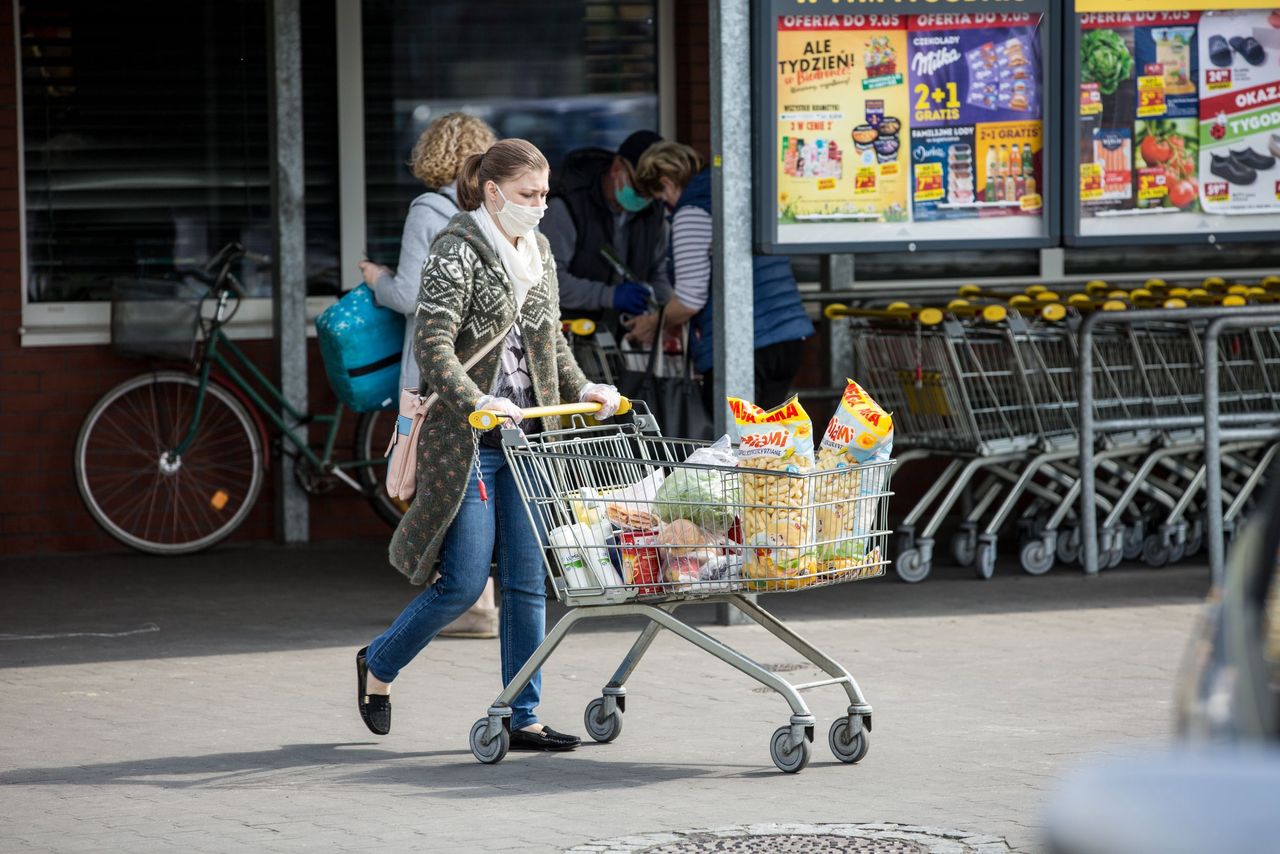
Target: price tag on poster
902,129
1172,138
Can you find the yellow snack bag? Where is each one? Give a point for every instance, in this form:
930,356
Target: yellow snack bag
777,519
860,428
859,432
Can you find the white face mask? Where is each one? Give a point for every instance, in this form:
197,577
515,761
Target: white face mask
518,220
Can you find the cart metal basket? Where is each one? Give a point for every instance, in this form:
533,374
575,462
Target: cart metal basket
637,524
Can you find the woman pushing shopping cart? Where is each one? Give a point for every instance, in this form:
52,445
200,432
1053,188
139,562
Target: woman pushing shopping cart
637,524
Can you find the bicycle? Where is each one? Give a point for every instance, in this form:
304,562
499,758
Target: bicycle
172,461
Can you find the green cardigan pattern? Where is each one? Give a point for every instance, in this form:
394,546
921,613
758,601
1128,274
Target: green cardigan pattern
466,300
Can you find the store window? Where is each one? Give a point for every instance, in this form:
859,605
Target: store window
562,74
145,142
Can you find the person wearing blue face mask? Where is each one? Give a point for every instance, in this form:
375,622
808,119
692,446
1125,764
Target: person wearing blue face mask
593,206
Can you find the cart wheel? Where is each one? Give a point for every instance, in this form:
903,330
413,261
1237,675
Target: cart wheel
1154,552
491,753
963,546
1177,552
1069,545
846,749
1115,558
1037,558
792,761
910,567
1133,541
985,563
601,728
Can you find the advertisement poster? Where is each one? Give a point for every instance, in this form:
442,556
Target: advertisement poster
1239,127
1139,113
842,107
976,121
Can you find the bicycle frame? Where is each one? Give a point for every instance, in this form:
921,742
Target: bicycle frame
236,367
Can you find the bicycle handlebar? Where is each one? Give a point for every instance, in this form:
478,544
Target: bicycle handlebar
486,419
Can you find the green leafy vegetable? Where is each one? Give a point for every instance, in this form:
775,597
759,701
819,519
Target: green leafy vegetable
1105,60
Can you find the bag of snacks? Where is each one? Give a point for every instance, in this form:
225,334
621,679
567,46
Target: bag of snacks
860,432
777,514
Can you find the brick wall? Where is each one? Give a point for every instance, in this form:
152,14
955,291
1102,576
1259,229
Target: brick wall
693,79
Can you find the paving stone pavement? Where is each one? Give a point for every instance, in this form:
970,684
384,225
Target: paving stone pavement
206,704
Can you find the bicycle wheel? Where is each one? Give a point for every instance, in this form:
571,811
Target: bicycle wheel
373,430
146,496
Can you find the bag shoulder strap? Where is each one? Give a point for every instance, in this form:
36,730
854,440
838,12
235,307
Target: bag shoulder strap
482,352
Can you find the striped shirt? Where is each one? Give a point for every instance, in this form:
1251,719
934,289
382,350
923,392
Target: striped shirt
691,251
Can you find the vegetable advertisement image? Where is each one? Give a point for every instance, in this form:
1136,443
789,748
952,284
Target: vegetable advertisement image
1105,59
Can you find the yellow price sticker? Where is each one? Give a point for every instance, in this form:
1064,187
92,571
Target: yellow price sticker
826,183
1151,96
864,182
1152,185
888,169
1031,202
1090,99
929,182
1090,181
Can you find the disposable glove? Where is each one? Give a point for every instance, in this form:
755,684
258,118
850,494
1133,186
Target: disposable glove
605,395
630,298
501,405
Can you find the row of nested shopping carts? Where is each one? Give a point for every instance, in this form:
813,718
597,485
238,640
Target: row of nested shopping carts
986,389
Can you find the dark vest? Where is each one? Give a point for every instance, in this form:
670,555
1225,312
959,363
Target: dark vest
779,314
578,184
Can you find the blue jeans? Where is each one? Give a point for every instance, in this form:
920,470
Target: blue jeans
464,569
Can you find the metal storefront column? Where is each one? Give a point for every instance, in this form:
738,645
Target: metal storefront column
288,245
730,52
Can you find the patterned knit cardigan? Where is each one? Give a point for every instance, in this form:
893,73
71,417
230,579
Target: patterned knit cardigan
466,301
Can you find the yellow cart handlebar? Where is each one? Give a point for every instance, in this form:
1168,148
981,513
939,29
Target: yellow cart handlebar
579,326
897,311
487,419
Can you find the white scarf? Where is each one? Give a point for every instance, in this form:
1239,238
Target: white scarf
522,262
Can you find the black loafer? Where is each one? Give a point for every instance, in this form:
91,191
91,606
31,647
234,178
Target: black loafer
1229,170
375,709
1254,160
1219,51
1249,48
547,740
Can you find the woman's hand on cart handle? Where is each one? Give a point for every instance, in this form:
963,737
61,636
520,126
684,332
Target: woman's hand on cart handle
492,410
484,419
605,395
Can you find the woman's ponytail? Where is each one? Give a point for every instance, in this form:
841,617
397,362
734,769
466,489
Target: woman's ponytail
506,160
470,191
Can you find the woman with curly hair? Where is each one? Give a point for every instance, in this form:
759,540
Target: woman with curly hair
437,156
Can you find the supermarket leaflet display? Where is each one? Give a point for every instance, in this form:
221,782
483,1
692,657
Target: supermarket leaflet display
1154,133
842,98
977,129
1239,127
890,129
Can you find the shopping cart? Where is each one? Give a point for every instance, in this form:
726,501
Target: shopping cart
595,349
992,391
638,524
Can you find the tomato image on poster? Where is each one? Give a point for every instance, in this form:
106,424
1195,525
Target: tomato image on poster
842,100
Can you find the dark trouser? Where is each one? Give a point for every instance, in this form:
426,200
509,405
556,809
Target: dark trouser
776,369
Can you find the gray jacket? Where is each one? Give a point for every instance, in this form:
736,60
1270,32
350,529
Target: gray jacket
428,215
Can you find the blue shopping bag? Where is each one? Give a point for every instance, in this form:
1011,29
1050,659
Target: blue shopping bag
360,345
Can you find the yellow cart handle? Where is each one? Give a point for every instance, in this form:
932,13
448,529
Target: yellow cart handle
487,419
581,326
897,311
